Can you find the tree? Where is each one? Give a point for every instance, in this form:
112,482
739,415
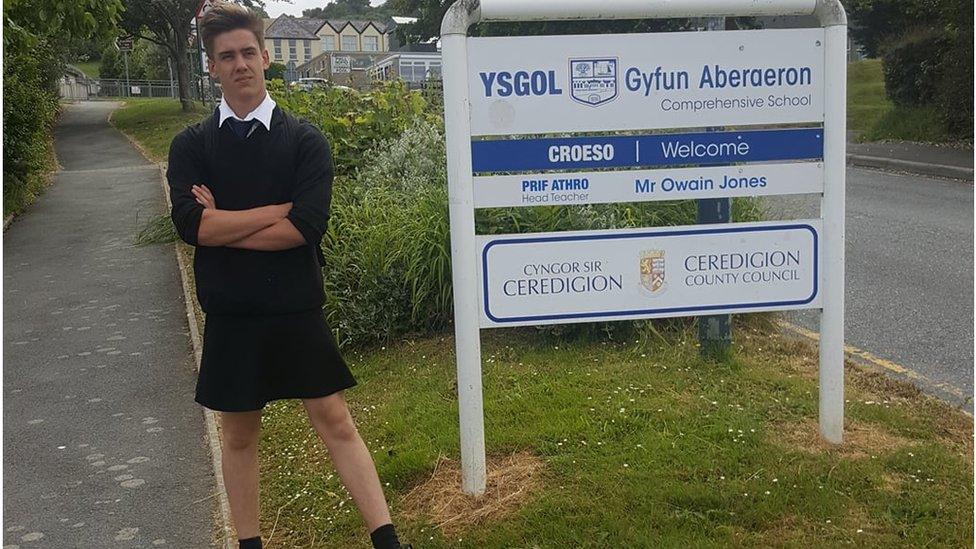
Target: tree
168,23
351,9
111,66
874,22
148,61
60,19
275,70
430,13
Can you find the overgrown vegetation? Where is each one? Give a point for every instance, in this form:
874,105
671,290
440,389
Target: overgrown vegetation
355,122
30,106
876,118
35,37
927,50
388,262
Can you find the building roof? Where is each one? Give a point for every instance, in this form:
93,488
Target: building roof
286,26
357,24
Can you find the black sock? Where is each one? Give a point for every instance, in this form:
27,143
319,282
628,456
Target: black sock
385,537
250,543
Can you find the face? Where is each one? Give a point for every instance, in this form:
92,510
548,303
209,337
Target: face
238,62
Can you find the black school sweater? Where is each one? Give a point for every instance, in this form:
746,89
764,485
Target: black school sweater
268,167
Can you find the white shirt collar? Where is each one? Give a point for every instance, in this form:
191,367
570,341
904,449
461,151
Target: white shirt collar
262,113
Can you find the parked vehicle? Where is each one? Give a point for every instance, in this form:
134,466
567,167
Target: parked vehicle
310,83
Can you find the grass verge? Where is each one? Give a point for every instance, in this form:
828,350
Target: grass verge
154,122
866,100
91,68
613,444
631,447
875,118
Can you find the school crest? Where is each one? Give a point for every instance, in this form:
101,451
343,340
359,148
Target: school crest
593,81
652,270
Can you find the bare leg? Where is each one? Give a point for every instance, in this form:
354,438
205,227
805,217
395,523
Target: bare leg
239,432
331,419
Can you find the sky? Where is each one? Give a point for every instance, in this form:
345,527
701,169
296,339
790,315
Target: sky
295,7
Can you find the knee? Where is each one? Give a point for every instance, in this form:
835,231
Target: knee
240,432
239,441
330,417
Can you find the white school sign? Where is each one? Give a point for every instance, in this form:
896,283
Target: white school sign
543,84
574,120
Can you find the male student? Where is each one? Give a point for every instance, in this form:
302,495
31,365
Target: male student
250,188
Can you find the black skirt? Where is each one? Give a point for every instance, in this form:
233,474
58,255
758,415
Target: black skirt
251,360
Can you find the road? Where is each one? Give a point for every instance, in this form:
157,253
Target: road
909,274
103,445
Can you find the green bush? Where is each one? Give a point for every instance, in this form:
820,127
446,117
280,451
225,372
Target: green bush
275,71
31,69
913,67
355,122
956,101
931,66
111,65
388,266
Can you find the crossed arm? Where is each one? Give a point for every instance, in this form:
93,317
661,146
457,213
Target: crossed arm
265,228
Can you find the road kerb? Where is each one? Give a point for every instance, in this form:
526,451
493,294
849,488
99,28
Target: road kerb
866,358
209,417
923,168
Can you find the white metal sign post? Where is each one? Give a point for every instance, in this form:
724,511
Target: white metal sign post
572,120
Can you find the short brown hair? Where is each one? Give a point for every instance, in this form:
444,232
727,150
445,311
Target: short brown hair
225,17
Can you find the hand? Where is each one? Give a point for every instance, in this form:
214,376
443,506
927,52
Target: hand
204,196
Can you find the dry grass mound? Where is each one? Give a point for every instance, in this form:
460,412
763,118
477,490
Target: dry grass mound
512,481
861,440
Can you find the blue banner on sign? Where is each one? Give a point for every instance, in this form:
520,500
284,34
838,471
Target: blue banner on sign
637,151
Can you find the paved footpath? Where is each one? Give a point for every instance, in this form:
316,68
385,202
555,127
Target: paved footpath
103,445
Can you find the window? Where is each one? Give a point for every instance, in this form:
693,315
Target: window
350,43
277,49
308,49
292,54
328,43
371,43
406,71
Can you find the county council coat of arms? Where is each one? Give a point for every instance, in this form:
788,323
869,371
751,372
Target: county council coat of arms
652,270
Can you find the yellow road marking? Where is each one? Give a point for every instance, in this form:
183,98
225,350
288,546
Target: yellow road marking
878,361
